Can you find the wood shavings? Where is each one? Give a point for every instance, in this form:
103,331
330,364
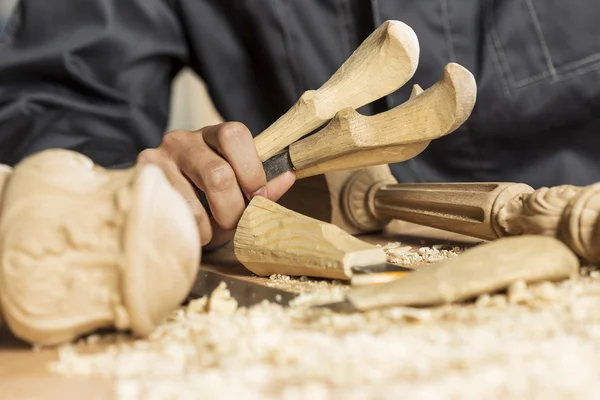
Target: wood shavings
589,270
545,343
408,256
221,302
197,305
517,293
319,296
280,277
303,284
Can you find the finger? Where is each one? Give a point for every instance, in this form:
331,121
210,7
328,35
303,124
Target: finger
234,142
182,185
220,236
278,186
211,174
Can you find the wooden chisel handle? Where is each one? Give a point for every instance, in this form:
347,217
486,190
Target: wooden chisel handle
352,140
484,269
383,63
271,239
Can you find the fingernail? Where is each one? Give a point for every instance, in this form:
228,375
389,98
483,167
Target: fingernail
262,192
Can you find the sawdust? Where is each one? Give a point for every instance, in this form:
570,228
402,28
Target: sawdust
534,342
410,256
320,291
219,302
396,254
302,284
539,341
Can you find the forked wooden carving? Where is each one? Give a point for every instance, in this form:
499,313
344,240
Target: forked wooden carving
352,140
383,63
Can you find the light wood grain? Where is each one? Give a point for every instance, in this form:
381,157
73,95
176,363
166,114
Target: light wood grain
333,207
271,239
484,269
352,140
383,63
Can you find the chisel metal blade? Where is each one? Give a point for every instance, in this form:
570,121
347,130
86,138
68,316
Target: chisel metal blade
278,164
380,268
244,292
377,274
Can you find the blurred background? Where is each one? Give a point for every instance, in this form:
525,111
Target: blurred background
5,8
191,106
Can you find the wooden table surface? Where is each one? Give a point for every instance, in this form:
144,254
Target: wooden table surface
24,374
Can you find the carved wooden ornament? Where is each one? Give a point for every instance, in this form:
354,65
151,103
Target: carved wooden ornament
84,248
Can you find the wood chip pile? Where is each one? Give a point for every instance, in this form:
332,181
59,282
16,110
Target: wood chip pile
541,341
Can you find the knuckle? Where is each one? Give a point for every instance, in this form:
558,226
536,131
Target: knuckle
172,139
218,176
148,156
231,132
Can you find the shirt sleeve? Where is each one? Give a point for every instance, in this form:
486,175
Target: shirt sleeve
92,76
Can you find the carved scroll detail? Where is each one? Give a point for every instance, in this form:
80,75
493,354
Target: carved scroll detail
569,213
538,212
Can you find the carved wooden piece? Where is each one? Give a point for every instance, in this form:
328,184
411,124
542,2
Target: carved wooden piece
483,210
468,209
383,63
329,201
570,213
370,202
271,239
484,269
352,140
84,248
357,198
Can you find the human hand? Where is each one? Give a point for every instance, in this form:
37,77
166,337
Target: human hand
221,161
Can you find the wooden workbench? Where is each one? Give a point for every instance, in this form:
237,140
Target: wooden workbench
23,373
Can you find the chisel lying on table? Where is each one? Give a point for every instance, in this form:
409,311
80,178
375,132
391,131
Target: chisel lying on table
486,268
